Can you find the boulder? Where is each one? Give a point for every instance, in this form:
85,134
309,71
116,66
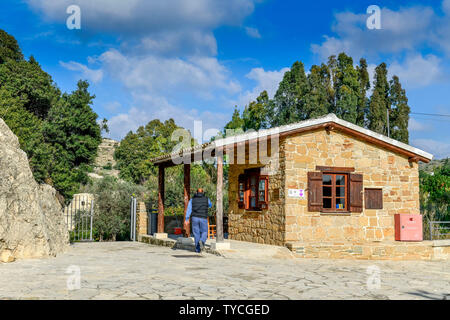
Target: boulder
31,220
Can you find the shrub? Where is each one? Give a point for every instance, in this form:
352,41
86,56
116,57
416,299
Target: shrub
112,207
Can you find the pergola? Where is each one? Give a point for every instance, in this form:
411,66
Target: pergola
246,142
186,157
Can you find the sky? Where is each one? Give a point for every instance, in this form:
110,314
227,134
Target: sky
195,60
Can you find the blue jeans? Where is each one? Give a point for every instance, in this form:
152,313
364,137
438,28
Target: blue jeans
200,230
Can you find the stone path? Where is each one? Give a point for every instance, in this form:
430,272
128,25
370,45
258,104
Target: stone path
139,271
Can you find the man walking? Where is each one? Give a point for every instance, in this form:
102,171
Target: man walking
198,207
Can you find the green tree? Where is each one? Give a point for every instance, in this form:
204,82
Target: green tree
255,114
236,123
290,98
364,86
73,132
9,48
400,110
347,89
28,129
379,101
26,80
435,194
332,69
318,100
335,87
136,149
58,132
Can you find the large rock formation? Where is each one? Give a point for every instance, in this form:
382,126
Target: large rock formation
31,220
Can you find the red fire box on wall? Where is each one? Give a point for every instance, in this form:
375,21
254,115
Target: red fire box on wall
408,227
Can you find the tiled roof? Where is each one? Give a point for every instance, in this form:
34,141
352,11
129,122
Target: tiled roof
292,128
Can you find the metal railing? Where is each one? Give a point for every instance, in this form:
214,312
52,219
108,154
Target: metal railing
79,219
439,230
133,207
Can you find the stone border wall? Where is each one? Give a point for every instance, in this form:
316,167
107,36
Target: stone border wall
388,250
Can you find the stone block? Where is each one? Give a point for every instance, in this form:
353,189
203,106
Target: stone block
220,246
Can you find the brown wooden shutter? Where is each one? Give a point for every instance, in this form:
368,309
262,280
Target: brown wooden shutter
356,195
373,198
315,200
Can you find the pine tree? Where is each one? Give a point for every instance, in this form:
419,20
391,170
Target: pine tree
236,123
27,80
379,102
290,98
347,89
9,48
255,114
317,99
399,111
364,86
332,69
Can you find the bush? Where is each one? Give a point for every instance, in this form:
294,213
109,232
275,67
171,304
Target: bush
112,207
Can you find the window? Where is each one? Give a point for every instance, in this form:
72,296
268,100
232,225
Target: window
334,192
253,190
373,198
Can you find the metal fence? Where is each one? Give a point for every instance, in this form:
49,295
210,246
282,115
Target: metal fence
79,218
439,230
133,207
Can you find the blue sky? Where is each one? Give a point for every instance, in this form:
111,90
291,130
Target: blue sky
196,59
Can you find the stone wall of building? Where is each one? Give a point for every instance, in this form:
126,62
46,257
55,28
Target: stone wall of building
266,226
380,168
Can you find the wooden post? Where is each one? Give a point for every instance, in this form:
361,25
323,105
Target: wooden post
187,195
219,203
161,199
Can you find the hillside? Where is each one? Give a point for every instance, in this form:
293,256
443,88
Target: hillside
432,165
104,162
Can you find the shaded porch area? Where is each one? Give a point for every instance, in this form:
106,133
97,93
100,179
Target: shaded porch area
216,228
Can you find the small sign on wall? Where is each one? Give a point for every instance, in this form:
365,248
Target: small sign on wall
296,193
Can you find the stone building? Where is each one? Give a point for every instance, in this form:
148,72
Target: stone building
322,187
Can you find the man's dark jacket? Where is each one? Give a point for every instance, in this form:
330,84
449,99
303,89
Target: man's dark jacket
200,206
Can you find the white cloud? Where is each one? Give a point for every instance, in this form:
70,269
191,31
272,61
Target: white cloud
438,149
112,106
148,15
159,108
166,60
156,84
185,42
164,76
418,71
405,29
89,74
265,80
253,32
415,125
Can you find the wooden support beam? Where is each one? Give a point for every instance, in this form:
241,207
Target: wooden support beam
161,199
187,195
219,203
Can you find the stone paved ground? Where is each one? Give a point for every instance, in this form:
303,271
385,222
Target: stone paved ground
140,271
